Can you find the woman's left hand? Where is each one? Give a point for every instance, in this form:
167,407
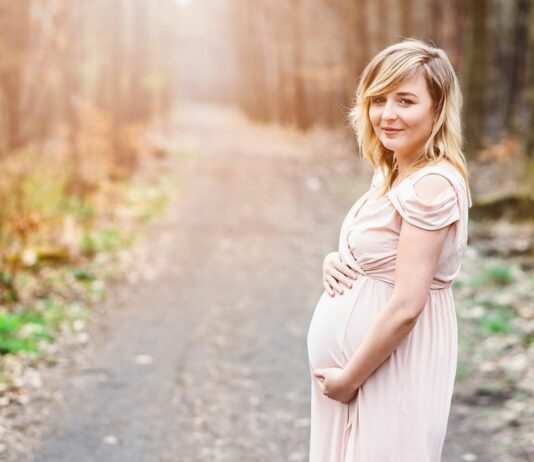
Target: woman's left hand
335,384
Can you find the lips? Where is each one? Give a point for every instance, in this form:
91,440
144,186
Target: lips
391,132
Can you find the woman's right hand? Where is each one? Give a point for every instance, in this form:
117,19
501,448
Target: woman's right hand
336,271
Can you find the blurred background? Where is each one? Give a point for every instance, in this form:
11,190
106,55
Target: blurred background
292,63
226,120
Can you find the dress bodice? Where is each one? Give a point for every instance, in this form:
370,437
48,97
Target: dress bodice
370,231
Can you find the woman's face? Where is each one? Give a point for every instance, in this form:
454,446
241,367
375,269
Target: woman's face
408,110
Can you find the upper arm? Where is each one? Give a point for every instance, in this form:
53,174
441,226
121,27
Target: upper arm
430,186
419,249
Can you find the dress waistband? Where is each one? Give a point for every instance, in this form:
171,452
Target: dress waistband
392,283
349,259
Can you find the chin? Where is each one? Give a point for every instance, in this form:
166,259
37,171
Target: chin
391,145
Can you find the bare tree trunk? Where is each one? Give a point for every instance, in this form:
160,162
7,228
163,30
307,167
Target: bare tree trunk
454,32
283,97
116,78
406,24
529,92
356,45
385,23
474,72
254,89
301,107
16,34
139,98
516,68
436,19
71,62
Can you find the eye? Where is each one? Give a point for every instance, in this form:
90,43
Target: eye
376,99
406,101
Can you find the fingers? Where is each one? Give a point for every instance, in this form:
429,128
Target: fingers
335,273
327,287
321,379
346,270
340,277
334,284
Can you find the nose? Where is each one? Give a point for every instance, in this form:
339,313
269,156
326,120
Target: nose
389,111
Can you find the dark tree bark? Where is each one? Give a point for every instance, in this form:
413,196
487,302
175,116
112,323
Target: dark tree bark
384,28
406,22
516,66
474,72
529,92
436,21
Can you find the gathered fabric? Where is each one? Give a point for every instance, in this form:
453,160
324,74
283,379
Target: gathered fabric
400,413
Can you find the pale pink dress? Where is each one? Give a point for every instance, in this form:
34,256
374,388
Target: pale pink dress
400,413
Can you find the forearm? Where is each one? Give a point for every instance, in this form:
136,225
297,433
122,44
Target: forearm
390,327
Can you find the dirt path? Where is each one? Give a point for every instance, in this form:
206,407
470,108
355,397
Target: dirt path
207,361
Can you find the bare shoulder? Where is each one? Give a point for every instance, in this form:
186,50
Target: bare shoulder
430,186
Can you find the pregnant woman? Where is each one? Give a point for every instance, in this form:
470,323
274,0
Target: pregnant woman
383,349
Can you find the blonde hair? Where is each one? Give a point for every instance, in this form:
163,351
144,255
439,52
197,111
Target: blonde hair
385,72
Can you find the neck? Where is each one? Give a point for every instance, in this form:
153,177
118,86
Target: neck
404,162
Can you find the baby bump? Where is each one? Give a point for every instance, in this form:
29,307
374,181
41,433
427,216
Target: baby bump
339,324
328,327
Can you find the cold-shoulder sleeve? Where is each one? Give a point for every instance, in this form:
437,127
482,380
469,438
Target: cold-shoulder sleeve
443,210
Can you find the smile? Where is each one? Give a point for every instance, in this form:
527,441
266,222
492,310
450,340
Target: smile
391,131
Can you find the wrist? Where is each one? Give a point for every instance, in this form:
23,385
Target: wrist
352,382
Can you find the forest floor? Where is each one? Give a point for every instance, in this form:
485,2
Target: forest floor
199,353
